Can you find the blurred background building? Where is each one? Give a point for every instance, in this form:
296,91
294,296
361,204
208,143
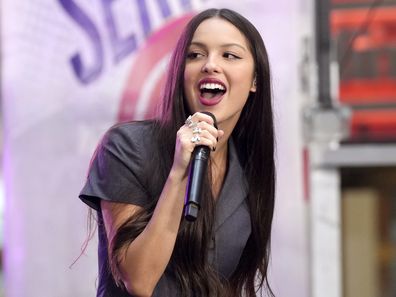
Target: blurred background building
351,149
72,68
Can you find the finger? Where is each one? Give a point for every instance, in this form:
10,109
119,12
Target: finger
202,117
208,127
206,135
198,140
184,136
206,130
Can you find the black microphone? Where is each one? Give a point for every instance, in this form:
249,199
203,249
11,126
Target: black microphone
198,168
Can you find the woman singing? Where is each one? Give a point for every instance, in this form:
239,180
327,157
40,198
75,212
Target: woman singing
138,175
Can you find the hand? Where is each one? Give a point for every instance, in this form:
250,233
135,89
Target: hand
200,131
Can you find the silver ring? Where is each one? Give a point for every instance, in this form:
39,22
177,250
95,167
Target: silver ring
190,123
189,120
197,130
195,139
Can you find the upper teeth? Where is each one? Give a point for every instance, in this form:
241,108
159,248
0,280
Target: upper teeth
211,86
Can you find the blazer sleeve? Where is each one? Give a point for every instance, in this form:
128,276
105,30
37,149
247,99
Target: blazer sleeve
116,169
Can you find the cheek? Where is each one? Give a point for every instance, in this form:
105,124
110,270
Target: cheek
244,77
189,72
188,80
244,84
188,88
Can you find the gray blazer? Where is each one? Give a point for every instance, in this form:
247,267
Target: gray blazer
117,174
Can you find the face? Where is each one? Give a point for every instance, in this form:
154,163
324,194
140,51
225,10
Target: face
219,71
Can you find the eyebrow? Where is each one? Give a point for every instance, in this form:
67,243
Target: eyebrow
201,44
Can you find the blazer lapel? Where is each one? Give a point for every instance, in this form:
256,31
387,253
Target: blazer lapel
234,189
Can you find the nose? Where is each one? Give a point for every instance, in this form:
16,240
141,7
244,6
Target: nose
211,65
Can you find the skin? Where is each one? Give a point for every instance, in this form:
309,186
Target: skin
220,52
150,252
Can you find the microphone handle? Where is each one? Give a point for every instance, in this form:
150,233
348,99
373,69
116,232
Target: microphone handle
197,173
198,166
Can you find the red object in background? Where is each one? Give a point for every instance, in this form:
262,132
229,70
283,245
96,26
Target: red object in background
379,41
336,2
375,125
384,18
380,35
145,83
381,32
368,91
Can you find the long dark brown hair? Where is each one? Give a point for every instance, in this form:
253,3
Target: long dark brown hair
254,140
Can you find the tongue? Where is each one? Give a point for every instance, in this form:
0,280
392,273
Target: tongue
209,95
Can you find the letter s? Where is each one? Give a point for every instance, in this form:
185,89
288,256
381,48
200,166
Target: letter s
84,73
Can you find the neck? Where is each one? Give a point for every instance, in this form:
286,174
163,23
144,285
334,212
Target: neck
218,168
219,157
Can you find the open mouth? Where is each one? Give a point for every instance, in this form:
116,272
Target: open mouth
211,90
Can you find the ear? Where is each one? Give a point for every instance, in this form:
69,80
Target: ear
253,88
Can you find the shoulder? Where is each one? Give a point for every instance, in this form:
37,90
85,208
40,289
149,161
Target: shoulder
129,136
118,171
129,131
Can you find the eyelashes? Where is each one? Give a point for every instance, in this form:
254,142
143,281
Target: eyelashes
227,55
231,56
194,55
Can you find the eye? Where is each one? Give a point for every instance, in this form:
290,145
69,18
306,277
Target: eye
194,55
230,56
